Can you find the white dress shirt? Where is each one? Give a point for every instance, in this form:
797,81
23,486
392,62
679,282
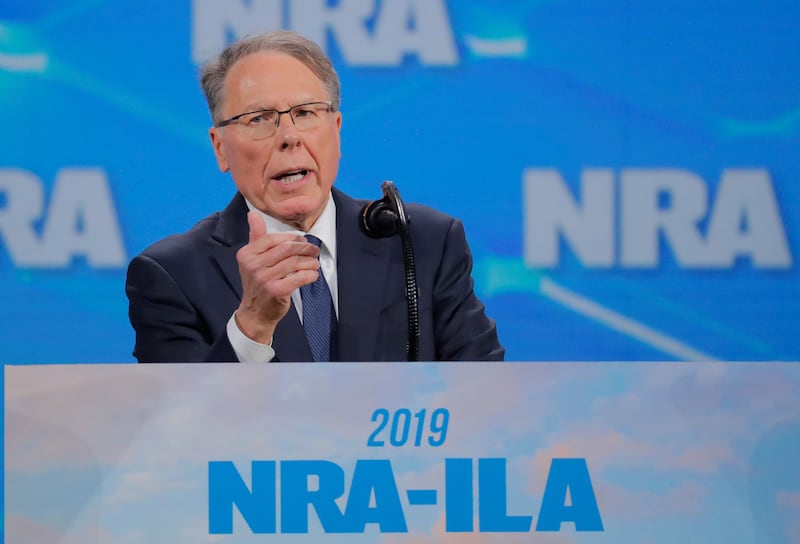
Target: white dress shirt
249,351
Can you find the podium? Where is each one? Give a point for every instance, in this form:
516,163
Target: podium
407,452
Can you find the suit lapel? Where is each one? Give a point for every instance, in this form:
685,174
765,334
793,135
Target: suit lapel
231,233
360,293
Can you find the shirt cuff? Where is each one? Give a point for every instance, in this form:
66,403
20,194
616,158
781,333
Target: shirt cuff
247,350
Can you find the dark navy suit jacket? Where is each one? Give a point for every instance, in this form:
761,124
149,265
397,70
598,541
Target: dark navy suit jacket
184,289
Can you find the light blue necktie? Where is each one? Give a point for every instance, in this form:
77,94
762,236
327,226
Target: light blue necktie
319,317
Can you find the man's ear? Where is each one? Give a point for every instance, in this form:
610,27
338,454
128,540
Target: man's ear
219,149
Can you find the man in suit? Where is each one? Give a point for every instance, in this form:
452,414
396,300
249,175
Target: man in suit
234,287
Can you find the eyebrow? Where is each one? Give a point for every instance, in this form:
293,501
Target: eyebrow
254,106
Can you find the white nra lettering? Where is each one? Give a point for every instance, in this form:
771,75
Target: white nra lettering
658,208
551,211
367,32
81,220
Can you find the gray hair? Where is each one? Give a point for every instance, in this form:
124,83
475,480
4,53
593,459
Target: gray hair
214,72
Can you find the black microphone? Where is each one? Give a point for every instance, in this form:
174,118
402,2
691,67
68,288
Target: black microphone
378,218
387,217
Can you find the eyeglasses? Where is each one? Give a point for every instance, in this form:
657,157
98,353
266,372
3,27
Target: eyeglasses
261,124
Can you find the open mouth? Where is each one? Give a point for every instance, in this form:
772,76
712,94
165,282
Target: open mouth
292,176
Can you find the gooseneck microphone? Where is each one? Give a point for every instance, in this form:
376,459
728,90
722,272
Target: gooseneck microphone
384,218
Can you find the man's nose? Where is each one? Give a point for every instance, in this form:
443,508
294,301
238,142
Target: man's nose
287,132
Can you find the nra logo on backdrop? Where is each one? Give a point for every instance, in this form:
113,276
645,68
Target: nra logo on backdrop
366,32
635,218
78,219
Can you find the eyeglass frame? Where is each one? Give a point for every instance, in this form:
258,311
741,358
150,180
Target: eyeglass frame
235,119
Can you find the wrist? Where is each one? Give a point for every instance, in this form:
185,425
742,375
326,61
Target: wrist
254,328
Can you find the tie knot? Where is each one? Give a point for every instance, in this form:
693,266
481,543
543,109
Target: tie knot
313,240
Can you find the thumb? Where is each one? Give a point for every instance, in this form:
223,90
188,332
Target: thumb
257,227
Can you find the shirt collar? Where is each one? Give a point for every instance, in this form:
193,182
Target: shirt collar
324,228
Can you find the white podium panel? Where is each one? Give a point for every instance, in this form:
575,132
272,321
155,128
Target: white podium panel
617,453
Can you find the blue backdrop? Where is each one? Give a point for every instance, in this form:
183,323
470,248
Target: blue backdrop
626,171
